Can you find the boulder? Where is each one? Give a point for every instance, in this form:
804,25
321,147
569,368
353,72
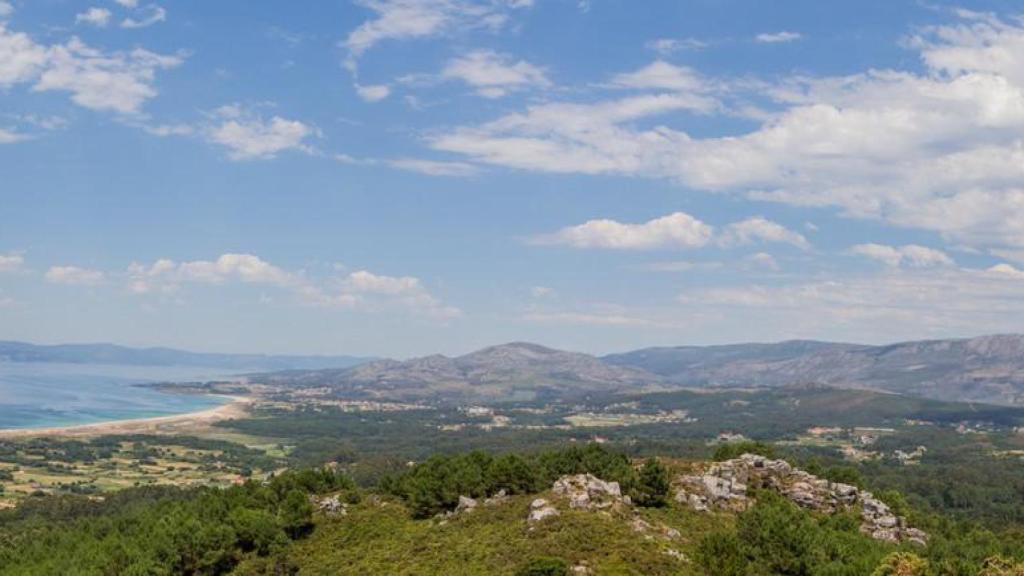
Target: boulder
539,510
725,485
588,492
466,504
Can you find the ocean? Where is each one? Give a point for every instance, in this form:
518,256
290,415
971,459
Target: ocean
43,394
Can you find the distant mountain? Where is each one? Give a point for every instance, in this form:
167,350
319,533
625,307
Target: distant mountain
113,354
984,369
515,371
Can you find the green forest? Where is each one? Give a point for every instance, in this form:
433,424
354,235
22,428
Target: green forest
405,525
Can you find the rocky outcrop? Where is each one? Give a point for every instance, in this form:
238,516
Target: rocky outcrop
541,510
329,505
588,492
727,485
466,504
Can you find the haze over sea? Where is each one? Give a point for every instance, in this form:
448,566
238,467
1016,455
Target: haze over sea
44,394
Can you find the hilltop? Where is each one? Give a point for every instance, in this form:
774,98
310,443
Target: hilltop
984,369
988,369
514,371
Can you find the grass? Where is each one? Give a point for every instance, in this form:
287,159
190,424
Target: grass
381,538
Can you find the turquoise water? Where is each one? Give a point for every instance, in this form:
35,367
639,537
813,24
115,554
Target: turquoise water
35,395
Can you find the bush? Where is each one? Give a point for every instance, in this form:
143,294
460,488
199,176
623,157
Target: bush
652,485
902,564
732,450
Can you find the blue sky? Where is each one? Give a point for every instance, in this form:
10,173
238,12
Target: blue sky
401,177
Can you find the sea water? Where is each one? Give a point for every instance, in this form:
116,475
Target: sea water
44,394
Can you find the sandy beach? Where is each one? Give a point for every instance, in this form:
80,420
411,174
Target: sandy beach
237,407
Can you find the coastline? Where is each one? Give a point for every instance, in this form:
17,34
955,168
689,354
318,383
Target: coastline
236,407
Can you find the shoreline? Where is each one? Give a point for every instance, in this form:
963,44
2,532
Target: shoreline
236,407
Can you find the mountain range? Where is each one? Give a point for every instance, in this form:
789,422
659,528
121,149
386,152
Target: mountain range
983,369
986,369
514,371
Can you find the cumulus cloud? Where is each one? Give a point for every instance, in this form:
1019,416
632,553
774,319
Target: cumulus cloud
1007,271
359,290
11,262
128,3
911,255
669,46
74,276
151,15
94,16
118,82
662,75
248,136
164,276
494,75
6,9
777,37
369,291
760,230
410,19
937,150
8,136
373,93
676,230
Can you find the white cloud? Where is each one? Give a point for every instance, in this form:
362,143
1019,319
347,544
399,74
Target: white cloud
758,229
419,165
368,291
494,75
248,136
434,167
908,255
668,46
662,75
74,276
677,230
940,150
410,19
165,276
151,15
111,81
366,282
373,93
119,82
359,290
11,262
6,9
243,267
21,59
99,17
762,260
128,3
778,37
8,136
1007,270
